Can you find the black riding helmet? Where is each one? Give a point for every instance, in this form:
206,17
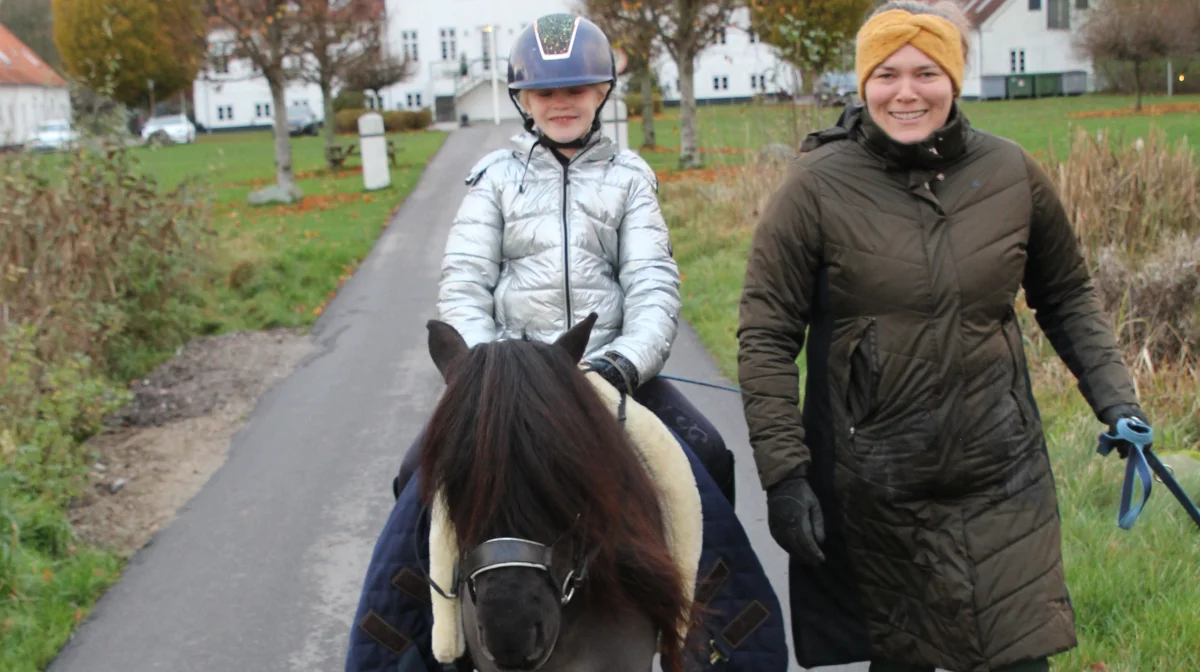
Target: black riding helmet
560,51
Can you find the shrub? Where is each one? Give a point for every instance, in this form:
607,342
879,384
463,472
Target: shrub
633,101
349,100
394,121
1136,207
94,257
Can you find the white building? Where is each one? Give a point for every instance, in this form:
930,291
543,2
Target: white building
451,47
231,94
30,91
1014,37
735,68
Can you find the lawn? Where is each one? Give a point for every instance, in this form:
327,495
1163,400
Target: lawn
725,131
277,265
1135,592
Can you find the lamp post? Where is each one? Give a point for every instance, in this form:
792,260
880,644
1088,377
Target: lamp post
491,31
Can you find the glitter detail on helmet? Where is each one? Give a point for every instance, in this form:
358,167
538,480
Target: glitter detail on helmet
556,35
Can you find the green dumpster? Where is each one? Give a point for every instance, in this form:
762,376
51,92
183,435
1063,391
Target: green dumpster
1019,86
1047,84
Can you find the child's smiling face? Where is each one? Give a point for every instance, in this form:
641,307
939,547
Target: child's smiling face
564,114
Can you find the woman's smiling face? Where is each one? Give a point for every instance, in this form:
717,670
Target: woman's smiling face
909,96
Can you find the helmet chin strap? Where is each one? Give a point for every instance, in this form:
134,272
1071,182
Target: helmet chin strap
577,143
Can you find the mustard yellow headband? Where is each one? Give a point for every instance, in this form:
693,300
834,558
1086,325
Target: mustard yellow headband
886,32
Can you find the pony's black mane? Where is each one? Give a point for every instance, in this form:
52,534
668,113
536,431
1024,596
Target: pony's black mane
521,445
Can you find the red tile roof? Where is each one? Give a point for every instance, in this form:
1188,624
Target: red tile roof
979,11
19,65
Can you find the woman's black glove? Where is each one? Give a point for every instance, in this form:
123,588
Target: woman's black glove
1112,414
795,519
616,369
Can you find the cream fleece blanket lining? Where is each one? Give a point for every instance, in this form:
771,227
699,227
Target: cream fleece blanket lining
669,469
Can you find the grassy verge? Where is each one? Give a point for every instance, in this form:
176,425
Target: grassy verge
1134,592
277,266
729,133
102,275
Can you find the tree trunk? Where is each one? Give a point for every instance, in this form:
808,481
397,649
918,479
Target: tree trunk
1137,84
814,109
689,150
648,139
328,129
284,176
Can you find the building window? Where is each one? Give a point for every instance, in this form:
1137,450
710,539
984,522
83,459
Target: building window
1058,14
449,44
753,82
486,47
408,45
1035,5
724,82
409,99
220,58
720,83
716,83
262,109
225,112
1016,60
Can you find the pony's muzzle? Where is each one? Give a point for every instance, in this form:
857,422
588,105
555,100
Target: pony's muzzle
521,649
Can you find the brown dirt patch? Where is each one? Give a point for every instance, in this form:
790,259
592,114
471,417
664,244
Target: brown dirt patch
164,446
1146,111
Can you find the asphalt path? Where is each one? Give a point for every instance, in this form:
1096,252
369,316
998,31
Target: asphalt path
261,570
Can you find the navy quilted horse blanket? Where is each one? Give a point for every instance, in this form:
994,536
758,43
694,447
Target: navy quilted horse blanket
743,633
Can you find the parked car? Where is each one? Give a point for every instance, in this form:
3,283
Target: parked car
51,135
302,120
837,89
176,128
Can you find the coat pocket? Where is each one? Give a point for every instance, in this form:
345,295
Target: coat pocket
1011,330
862,380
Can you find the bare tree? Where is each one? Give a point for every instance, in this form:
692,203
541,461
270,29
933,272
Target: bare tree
377,71
266,33
685,28
810,35
631,28
1136,31
336,38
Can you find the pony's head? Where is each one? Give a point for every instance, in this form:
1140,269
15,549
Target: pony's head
546,495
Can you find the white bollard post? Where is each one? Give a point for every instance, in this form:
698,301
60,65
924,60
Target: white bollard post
373,150
616,120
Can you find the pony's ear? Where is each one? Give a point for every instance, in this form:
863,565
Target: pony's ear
575,340
445,344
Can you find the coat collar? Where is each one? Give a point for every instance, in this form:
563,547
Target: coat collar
938,150
941,148
600,149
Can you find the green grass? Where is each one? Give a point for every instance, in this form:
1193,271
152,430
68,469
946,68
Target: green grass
1030,122
276,266
272,266
1135,592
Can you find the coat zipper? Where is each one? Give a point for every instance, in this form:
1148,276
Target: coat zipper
566,251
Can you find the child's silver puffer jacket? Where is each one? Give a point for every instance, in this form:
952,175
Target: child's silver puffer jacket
536,247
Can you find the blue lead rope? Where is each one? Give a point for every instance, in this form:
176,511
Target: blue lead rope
1140,461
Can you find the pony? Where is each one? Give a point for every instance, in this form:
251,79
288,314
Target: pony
566,563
